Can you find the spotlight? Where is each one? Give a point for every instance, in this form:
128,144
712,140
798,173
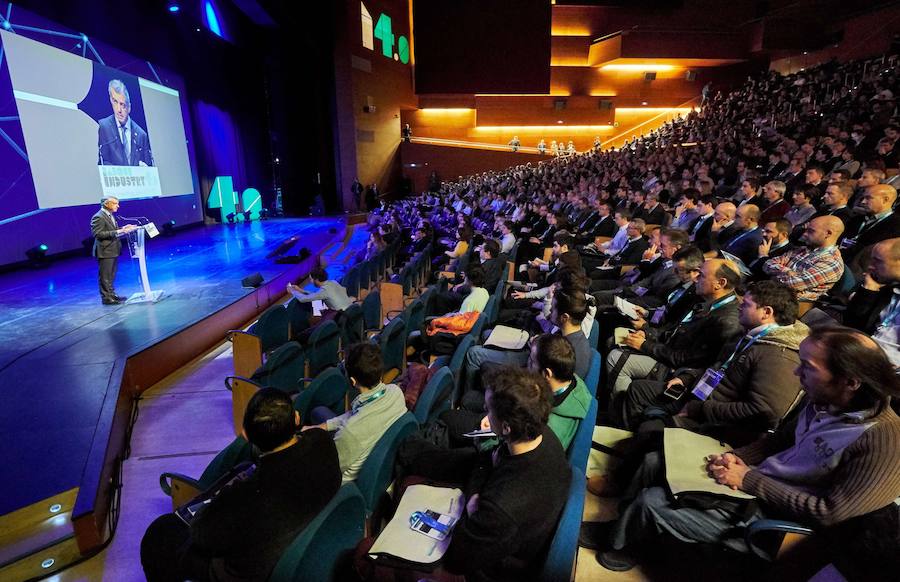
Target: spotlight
263,213
230,217
37,256
173,7
169,228
247,216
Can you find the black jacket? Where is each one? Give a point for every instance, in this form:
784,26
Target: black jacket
695,344
249,524
864,309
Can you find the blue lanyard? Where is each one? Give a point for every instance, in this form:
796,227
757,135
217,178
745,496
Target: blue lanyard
738,349
361,400
742,235
713,307
893,307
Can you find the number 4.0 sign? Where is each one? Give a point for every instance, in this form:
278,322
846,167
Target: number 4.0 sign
382,31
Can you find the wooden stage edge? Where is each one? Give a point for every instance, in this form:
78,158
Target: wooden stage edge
136,373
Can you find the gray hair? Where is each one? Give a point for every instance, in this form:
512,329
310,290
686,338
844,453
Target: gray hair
778,186
106,199
119,87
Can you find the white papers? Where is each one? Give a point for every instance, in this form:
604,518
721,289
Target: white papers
151,229
480,433
507,338
318,306
619,335
627,308
685,455
399,540
745,271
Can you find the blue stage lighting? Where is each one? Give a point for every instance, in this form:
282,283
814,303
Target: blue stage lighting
212,19
37,255
173,8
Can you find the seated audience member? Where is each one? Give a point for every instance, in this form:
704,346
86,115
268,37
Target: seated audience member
802,210
507,238
604,225
722,229
451,300
553,357
611,247
692,342
652,280
652,212
878,222
463,240
515,492
630,254
241,533
699,230
775,242
418,243
834,202
757,387
371,413
849,383
686,211
874,306
568,309
776,205
813,269
563,241
748,235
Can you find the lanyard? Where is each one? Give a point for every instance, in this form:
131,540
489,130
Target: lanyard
864,226
742,235
892,310
738,349
713,307
361,400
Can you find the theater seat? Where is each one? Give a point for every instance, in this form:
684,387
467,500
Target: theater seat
580,448
435,397
559,566
328,389
377,471
324,549
182,488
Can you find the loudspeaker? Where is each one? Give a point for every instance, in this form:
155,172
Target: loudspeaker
253,281
604,104
690,75
559,104
650,76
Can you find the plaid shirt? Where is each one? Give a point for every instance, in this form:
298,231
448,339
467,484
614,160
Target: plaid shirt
809,272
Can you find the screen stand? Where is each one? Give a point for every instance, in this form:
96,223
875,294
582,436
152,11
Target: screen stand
138,251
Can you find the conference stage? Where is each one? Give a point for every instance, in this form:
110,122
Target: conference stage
71,367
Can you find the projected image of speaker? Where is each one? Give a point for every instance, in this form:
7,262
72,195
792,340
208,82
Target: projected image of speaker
252,281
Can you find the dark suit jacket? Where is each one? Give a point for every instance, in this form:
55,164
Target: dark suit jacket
845,214
248,525
887,228
493,270
111,150
864,310
745,248
631,253
695,344
106,242
701,237
605,227
656,216
719,240
774,211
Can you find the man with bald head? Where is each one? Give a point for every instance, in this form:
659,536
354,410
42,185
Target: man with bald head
879,221
723,228
745,244
813,269
874,306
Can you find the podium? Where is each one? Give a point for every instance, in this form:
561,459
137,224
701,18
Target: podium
139,251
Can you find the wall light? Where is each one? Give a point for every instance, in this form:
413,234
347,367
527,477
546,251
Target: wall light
638,68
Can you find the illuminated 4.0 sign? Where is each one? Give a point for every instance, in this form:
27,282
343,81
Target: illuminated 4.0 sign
383,32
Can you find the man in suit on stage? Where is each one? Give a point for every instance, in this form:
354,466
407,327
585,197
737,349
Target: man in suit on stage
107,247
121,141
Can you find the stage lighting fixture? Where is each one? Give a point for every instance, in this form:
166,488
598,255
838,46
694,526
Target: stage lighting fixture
247,216
37,256
263,213
173,7
169,228
230,217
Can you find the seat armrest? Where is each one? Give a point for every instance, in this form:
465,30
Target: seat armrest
771,525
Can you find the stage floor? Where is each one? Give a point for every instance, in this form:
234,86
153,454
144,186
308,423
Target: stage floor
59,346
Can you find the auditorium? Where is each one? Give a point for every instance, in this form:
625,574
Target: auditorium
550,290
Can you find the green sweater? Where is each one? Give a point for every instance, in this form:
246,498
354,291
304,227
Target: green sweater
568,414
